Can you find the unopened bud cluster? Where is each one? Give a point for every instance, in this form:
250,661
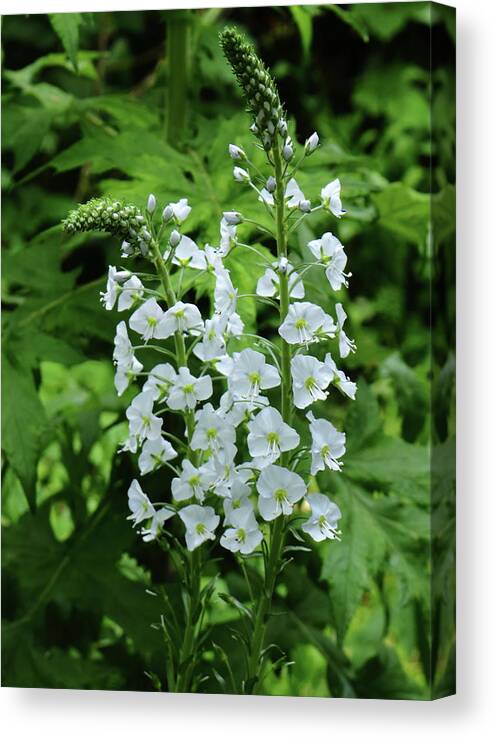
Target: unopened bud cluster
259,88
111,216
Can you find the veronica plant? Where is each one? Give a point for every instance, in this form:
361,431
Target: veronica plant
236,467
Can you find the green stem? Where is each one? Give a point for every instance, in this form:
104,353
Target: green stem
177,38
277,527
185,667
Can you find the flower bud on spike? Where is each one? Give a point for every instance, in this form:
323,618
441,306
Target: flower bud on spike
174,238
232,217
311,144
236,152
151,203
270,185
241,175
111,216
167,213
287,152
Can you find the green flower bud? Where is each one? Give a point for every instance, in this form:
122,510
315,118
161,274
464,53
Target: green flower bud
112,216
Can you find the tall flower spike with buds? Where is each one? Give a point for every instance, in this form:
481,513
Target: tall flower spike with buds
110,216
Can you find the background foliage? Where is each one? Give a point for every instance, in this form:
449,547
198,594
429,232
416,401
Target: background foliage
86,100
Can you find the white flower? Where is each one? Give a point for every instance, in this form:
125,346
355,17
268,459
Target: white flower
192,482
331,198
108,298
131,292
160,379
339,379
148,320
225,294
154,453
346,345
235,325
323,521
268,284
278,490
240,409
188,390
141,507
142,423
232,217
236,152
266,196
250,374
125,374
224,472
241,175
157,523
200,524
305,323
188,254
123,353
293,194
244,535
310,378
212,257
183,317
227,234
180,210
238,497
329,251
328,445
211,430
311,143
269,435
213,344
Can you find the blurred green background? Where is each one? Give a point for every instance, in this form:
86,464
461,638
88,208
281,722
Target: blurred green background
101,103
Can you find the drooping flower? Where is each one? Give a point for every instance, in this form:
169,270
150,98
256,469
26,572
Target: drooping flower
225,294
141,507
227,231
240,174
279,489
339,379
183,317
310,377
131,293
142,423
211,430
148,320
328,445
238,497
331,198
305,323
213,344
125,374
180,210
244,534
250,374
157,523
192,482
123,352
322,523
269,435
188,390
329,251
240,409
200,524
293,194
154,453
346,345
161,378
109,297
268,284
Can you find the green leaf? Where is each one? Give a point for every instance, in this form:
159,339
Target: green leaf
24,426
404,212
66,26
352,19
411,395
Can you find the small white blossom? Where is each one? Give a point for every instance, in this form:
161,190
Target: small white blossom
160,380
331,198
154,453
241,175
293,194
269,435
329,251
310,378
200,524
268,284
211,430
238,497
244,534
227,233
225,294
238,410
157,523
250,374
279,489
192,482
266,196
148,320
180,210
141,507
131,292
305,323
109,297
322,523
339,379
236,152
142,423
183,317
188,390
328,445
188,254
346,345
125,374
213,344
123,352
